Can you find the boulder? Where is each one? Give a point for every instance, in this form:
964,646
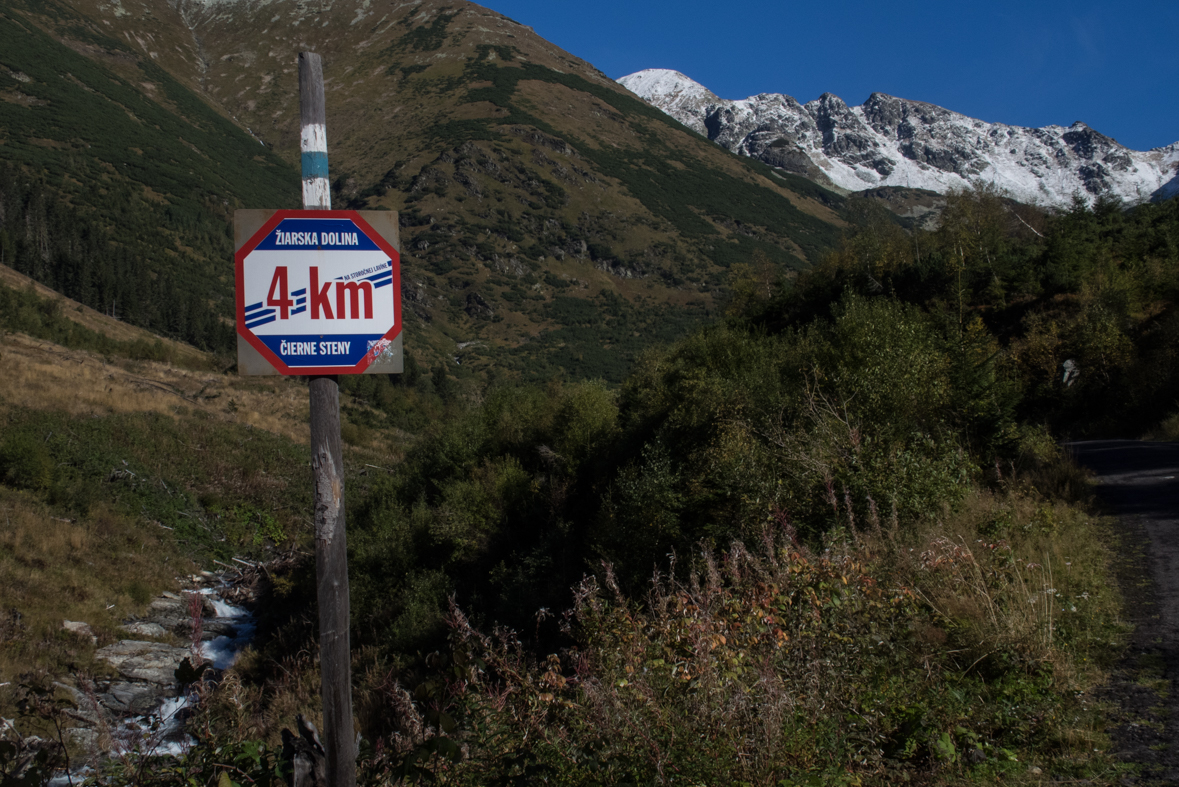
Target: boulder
303,756
171,614
143,628
79,628
174,615
127,698
84,709
150,662
211,628
85,739
477,308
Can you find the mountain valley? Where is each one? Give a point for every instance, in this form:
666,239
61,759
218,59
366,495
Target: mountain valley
699,472
549,219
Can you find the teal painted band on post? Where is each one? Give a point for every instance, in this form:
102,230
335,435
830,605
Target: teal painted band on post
315,164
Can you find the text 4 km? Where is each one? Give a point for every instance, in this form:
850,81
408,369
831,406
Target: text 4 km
348,294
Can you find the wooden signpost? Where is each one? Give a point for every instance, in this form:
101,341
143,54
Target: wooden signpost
318,295
327,462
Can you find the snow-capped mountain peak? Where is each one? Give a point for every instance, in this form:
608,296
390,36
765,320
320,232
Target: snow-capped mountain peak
889,141
672,92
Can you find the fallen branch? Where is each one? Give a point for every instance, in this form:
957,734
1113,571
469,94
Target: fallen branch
1024,223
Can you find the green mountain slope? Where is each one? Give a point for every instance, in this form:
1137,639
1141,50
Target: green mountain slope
117,185
551,220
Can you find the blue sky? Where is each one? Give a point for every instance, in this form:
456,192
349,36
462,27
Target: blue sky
1112,65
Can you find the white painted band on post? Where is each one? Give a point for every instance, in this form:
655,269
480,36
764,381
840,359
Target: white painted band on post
317,193
313,139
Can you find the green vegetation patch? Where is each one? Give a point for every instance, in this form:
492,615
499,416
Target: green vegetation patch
427,37
98,118
671,183
24,311
220,489
118,200
69,249
599,338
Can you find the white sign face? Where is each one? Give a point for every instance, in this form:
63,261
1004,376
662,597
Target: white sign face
317,292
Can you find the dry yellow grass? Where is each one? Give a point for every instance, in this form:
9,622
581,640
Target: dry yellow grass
1015,571
97,570
1166,431
42,375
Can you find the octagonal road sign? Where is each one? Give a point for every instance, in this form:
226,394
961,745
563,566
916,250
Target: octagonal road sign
318,292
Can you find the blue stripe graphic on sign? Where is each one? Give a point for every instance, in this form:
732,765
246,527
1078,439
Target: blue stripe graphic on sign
382,279
259,317
300,301
269,318
255,315
315,164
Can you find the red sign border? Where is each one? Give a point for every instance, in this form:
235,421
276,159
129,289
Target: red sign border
239,259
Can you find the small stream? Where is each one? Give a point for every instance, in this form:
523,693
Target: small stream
222,650
162,730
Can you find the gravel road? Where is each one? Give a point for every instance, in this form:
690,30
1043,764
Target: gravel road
1139,482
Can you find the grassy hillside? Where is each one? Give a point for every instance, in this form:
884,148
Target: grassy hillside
37,311
128,461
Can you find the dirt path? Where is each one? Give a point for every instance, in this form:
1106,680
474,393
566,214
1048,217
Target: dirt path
1139,482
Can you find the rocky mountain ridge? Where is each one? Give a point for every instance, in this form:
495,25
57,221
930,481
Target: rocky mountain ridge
889,141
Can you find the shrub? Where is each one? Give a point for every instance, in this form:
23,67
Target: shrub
139,592
25,461
767,666
586,419
886,362
887,656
